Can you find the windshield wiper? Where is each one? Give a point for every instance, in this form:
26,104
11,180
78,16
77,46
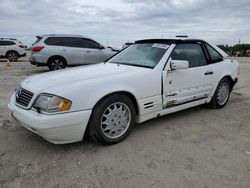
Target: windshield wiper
137,65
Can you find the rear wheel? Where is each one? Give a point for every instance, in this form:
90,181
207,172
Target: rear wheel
12,56
112,119
56,63
221,94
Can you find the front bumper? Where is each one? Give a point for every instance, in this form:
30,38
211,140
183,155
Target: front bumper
57,129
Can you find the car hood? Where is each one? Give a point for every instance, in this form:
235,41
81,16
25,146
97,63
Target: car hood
84,74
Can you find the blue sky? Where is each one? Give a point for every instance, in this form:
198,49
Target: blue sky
115,22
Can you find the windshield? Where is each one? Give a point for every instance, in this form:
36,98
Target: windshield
142,55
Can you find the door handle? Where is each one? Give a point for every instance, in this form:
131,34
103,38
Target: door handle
209,72
88,51
64,50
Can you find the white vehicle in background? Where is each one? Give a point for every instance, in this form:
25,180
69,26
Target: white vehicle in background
148,79
12,49
58,51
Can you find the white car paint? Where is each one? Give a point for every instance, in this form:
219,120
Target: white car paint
59,129
157,92
4,49
73,55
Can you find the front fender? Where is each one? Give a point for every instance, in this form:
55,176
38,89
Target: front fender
84,95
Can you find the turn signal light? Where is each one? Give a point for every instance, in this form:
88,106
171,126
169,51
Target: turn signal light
64,105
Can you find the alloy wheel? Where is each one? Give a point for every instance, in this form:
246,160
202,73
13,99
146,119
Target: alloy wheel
115,120
12,56
57,64
223,93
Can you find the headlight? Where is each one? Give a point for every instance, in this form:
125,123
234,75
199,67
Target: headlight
50,103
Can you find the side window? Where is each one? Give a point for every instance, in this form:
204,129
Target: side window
91,44
13,43
73,42
214,55
192,53
7,43
57,41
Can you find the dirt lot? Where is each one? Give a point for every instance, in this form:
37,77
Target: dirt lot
198,147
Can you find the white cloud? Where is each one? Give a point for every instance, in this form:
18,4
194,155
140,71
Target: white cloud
117,21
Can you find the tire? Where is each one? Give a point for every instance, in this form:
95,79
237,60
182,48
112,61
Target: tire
56,63
222,94
12,56
112,119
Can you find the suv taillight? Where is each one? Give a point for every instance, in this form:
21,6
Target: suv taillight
21,46
37,48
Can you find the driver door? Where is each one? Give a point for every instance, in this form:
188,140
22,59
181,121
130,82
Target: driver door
181,86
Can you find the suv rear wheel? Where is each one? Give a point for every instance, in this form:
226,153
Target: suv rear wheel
56,63
12,56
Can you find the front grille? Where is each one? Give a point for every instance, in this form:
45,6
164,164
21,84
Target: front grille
23,97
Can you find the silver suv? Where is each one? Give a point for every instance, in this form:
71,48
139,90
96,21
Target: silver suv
12,49
58,51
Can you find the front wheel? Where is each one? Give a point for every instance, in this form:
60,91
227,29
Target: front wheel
112,119
221,94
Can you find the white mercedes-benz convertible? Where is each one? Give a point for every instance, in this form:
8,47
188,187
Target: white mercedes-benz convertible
148,79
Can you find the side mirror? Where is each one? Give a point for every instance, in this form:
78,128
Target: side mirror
219,59
179,64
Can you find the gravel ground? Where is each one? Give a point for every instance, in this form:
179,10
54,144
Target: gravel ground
198,147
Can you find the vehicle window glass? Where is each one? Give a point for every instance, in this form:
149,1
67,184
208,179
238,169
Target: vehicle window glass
11,43
37,40
214,55
72,42
54,41
142,55
192,53
91,44
7,43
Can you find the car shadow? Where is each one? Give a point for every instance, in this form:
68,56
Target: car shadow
88,145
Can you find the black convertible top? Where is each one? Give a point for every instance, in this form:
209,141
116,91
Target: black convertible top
168,41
